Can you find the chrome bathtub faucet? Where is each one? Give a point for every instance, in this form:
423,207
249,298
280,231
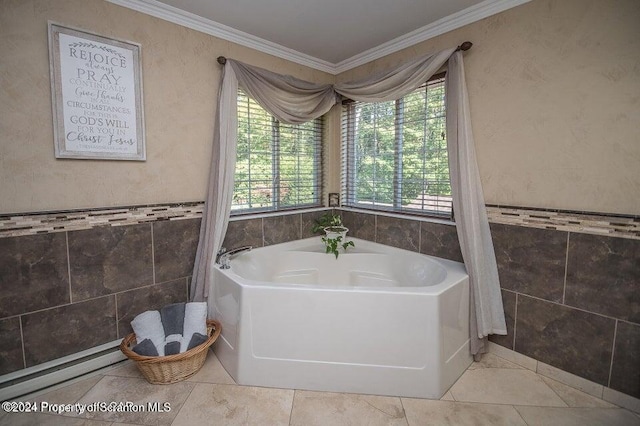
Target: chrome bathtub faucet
224,256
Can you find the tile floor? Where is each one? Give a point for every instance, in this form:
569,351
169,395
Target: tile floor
491,392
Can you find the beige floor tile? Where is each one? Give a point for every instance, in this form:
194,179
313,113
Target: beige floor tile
490,360
127,369
504,386
335,409
39,419
228,405
70,393
548,416
426,412
129,390
576,382
447,397
212,372
513,356
575,398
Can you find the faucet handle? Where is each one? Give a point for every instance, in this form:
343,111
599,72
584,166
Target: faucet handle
221,251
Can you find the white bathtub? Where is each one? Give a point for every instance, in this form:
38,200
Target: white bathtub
378,320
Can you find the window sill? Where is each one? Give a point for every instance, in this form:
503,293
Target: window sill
248,216
399,215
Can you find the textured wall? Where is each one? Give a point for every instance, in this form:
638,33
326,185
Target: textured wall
180,78
554,88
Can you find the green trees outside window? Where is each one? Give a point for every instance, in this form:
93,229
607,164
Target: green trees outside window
395,153
278,165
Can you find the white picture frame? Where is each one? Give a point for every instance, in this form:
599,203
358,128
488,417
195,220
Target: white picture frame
96,90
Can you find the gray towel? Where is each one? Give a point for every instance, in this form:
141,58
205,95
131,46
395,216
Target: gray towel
196,340
173,318
172,348
145,348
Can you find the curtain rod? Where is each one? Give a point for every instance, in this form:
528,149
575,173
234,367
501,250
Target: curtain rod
464,47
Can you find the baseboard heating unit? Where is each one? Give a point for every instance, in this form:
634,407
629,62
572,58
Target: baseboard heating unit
48,374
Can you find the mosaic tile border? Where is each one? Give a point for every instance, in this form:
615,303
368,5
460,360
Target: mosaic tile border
612,225
19,224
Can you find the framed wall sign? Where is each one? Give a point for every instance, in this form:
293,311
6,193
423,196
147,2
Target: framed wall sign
96,87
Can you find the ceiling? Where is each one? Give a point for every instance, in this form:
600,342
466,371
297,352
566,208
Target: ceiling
331,35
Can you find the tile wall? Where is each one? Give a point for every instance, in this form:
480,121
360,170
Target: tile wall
570,282
65,291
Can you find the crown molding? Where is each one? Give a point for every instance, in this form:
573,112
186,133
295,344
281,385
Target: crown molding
207,26
441,26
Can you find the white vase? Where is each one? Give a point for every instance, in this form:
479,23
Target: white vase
334,232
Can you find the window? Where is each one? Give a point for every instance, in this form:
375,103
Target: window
395,153
278,166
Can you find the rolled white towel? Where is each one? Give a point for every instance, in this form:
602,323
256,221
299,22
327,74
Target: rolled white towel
148,325
195,321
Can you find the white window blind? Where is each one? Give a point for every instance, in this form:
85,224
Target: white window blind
278,166
395,153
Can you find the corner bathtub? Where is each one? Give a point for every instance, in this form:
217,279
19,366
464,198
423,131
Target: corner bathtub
378,320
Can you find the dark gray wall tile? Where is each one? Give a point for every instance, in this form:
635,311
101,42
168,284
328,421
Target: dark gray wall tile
247,232
280,229
440,240
108,260
575,341
174,246
625,373
65,330
361,225
134,302
34,273
603,275
401,233
10,346
509,304
531,261
309,220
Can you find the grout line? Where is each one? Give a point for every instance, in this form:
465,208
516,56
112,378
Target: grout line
553,390
375,228
66,236
566,270
24,356
420,237
520,414
293,401
184,403
515,321
262,230
115,298
572,307
613,353
153,256
404,412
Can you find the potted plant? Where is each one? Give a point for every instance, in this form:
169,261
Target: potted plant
335,233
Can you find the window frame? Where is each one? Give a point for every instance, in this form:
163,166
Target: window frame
275,144
349,175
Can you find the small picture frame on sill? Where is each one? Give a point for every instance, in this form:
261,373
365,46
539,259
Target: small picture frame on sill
96,88
334,199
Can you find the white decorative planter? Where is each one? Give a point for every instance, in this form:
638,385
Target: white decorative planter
334,232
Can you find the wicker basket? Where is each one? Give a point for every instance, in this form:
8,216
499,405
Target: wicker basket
163,370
